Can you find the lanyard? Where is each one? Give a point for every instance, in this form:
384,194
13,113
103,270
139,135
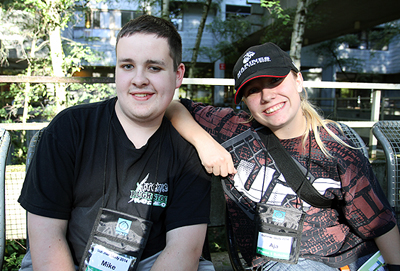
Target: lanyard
106,196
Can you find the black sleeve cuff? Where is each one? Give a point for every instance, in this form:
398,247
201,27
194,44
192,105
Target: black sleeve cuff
393,267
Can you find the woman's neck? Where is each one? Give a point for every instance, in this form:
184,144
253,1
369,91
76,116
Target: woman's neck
295,129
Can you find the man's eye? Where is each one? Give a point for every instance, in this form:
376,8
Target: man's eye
127,66
154,68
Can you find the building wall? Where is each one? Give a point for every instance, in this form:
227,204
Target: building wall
191,22
378,62
103,39
394,61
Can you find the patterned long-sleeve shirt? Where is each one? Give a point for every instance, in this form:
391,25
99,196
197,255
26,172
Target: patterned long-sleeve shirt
336,236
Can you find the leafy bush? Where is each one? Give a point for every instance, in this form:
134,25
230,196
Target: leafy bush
14,252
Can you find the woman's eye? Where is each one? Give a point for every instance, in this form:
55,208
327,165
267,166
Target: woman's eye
276,81
252,91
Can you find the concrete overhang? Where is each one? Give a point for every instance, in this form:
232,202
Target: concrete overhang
340,17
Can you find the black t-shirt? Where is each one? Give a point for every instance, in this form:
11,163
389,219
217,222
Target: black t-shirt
85,149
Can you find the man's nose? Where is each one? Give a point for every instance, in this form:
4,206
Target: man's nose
139,78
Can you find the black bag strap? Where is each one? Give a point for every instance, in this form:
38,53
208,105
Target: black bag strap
293,175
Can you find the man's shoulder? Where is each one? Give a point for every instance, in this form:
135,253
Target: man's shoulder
87,108
172,133
83,113
175,141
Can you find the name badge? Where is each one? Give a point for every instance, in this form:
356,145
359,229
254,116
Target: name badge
103,259
274,246
116,242
278,232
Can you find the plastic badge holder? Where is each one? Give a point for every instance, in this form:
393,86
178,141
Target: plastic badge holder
279,232
116,242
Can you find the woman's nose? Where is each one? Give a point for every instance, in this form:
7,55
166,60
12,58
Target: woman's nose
267,94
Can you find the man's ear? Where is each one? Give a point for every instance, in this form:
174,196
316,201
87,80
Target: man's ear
180,72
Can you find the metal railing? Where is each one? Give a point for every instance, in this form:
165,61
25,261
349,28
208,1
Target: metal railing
374,88
15,174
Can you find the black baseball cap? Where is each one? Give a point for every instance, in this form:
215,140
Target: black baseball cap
266,60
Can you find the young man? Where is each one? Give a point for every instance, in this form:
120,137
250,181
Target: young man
122,155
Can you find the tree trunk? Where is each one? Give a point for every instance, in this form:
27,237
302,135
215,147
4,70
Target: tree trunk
56,61
206,9
56,52
298,32
27,90
165,9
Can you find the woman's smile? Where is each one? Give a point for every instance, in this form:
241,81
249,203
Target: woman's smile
274,108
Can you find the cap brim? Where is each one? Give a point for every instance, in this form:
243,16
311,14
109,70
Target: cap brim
279,72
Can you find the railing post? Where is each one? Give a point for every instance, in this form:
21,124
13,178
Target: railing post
382,111
335,103
375,110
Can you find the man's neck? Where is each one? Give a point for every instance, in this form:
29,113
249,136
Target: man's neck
138,132
139,136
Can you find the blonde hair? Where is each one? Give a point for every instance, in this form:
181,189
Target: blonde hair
314,121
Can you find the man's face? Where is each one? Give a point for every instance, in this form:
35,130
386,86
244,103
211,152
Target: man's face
145,78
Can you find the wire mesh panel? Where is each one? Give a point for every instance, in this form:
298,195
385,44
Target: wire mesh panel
355,138
15,214
4,148
32,147
388,135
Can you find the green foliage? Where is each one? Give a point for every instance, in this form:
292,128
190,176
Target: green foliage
379,38
278,33
50,13
42,104
281,28
235,29
76,54
275,9
227,33
18,139
9,111
40,98
33,20
14,252
3,55
205,100
89,93
217,239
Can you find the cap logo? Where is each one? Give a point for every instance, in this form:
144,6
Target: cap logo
248,56
249,63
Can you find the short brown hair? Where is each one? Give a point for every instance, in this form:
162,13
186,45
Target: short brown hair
149,24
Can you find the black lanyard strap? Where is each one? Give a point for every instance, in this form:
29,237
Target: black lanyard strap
293,175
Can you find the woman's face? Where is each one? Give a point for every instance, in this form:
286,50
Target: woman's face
275,102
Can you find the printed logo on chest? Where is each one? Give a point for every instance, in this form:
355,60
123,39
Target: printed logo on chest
148,193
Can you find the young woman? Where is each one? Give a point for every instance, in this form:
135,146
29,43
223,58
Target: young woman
357,224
